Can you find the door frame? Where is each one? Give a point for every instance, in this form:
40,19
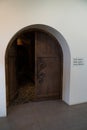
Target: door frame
65,49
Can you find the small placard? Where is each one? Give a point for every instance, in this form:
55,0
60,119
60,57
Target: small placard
78,61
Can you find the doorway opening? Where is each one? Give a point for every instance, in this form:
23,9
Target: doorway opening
34,67
21,69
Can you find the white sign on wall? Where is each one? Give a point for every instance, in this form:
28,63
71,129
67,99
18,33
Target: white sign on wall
78,61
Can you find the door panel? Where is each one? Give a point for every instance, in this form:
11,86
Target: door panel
48,80
12,80
48,66
46,46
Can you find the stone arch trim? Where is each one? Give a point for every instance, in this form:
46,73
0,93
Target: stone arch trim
65,49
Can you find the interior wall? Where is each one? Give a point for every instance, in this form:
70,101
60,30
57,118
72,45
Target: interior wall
68,17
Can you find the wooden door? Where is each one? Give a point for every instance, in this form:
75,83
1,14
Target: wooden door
11,75
48,66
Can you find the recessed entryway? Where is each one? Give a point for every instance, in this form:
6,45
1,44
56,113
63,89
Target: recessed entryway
35,65
34,68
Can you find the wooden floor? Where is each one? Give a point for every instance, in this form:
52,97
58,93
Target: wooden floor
46,115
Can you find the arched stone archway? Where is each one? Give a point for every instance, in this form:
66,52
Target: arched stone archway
65,49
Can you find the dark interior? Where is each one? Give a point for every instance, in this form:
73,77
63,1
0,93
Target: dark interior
25,61
24,66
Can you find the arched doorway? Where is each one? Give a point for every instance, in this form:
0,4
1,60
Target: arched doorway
47,61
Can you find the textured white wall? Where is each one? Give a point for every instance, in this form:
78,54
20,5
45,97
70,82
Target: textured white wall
67,16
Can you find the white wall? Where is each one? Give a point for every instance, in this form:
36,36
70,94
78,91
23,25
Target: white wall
67,16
